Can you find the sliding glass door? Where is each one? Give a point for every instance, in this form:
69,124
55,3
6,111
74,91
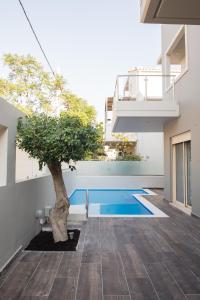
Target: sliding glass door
188,162
179,173
182,193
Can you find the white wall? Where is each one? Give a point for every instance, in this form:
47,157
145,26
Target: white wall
26,167
151,146
112,182
18,201
18,204
110,136
187,93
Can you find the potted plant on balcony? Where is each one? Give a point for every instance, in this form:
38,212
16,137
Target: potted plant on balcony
53,140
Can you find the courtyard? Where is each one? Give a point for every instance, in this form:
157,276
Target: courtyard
116,259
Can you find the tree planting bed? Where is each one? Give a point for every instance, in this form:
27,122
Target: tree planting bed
44,242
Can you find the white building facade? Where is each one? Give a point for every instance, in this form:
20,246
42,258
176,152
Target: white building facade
141,85
175,113
180,46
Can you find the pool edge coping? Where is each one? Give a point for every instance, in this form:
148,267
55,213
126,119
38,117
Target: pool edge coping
156,212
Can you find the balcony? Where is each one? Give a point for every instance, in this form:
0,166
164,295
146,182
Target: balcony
141,104
170,11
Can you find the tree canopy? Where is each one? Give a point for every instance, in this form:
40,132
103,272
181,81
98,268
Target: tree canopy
54,140
32,89
29,85
78,107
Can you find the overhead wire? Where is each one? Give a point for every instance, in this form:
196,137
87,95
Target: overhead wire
37,39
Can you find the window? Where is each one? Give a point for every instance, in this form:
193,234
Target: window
3,154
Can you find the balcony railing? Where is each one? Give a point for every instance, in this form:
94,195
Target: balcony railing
144,88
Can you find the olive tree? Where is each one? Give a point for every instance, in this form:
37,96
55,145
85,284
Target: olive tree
53,140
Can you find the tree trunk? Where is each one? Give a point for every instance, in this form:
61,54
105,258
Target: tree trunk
58,215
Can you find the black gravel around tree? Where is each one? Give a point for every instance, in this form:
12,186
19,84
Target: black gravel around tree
44,242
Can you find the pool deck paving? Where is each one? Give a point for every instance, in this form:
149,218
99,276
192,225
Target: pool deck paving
117,259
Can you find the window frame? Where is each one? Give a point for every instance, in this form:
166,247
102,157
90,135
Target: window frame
181,32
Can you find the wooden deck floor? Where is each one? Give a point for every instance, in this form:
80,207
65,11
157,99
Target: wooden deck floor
118,259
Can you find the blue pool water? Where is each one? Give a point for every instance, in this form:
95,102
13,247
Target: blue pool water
111,202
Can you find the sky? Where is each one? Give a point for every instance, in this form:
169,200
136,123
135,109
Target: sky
89,42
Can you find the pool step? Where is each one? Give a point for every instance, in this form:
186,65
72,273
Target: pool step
77,213
47,227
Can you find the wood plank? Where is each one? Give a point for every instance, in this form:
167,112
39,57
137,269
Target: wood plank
70,265
33,298
164,284
183,249
10,268
143,246
81,241
123,234
142,289
117,298
50,261
108,239
114,282
92,235
14,284
90,283
31,256
91,257
40,283
63,288
92,242
139,284
183,275
133,265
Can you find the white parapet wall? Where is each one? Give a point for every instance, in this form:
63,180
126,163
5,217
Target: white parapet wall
18,205
113,182
114,174
18,201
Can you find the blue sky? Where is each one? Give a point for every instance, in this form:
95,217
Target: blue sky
90,42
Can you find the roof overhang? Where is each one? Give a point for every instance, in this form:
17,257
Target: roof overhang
170,11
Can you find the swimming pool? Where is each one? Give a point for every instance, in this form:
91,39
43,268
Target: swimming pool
111,202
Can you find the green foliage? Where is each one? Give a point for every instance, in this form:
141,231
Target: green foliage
79,108
34,91
29,85
54,140
31,89
120,137
99,154
123,146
